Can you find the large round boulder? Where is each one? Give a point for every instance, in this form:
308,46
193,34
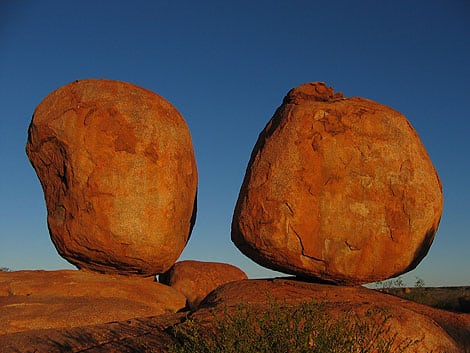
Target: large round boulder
117,167
339,189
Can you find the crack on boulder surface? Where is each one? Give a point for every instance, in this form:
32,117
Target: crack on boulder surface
303,248
88,115
390,231
351,247
289,207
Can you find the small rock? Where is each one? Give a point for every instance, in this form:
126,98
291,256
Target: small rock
196,279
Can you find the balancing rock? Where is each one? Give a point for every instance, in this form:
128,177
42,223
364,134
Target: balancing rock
117,167
337,189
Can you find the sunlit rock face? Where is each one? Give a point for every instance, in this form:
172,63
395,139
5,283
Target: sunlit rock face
117,167
338,189
35,301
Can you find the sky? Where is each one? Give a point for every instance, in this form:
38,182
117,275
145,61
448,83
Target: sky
226,66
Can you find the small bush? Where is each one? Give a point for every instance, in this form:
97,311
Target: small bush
419,283
389,284
306,327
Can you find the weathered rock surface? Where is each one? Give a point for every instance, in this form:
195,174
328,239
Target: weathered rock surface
437,330
32,300
117,167
144,334
196,279
339,189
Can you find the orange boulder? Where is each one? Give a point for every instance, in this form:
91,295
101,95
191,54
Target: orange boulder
117,167
196,279
339,189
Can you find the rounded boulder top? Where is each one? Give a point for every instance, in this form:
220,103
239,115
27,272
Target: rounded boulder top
338,189
117,167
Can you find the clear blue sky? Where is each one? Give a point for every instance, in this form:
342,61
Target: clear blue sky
226,65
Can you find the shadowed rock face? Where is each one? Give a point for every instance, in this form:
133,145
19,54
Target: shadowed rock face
339,189
196,279
117,167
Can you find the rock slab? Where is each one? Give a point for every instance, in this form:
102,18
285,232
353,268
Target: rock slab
196,279
32,300
146,334
117,167
339,189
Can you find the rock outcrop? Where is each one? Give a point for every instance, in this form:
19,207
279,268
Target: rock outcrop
433,330
32,300
339,189
196,279
40,301
142,334
118,171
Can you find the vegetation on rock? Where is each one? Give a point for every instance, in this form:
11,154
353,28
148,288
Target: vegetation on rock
305,327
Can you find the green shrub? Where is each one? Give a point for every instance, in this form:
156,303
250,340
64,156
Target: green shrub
389,284
305,327
419,283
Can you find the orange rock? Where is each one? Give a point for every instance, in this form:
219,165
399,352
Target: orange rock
434,330
196,279
117,167
143,334
57,299
339,189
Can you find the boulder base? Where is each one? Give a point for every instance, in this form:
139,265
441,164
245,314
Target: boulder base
437,330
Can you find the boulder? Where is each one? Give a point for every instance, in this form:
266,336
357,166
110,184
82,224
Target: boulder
196,279
338,189
31,300
118,171
434,330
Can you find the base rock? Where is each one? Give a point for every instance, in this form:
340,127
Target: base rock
64,299
437,330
